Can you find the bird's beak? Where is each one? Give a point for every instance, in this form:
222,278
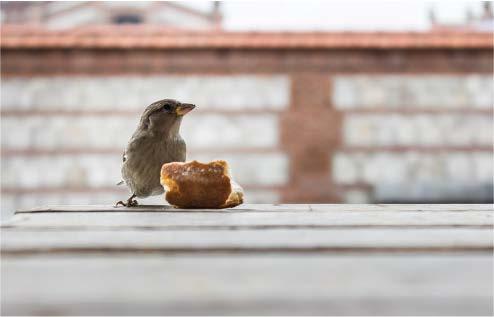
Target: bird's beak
184,108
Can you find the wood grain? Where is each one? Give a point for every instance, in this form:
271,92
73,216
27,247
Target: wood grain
274,284
286,240
248,220
254,259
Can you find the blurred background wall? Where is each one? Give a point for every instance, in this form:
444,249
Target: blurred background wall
301,116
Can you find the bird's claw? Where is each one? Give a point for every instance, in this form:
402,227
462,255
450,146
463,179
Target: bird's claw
130,203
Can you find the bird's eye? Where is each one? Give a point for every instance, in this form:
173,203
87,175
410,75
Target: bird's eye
167,107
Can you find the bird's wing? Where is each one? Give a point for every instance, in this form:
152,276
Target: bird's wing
124,158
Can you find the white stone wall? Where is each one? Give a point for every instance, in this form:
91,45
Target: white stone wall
413,91
201,130
414,137
381,167
57,148
429,130
132,93
403,136
103,170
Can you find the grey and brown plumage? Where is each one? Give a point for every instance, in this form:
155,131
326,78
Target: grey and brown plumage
155,142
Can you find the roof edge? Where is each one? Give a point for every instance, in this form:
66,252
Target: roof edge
159,38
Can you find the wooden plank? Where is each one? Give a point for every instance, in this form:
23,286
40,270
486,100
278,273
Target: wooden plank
253,241
401,207
164,208
270,207
248,220
247,285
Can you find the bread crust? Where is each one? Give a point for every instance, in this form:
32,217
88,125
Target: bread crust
198,185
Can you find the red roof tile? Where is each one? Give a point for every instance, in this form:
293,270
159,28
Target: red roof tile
156,37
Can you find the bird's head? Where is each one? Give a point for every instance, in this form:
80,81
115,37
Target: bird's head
164,116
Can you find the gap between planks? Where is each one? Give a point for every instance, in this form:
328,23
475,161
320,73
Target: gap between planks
238,227
437,251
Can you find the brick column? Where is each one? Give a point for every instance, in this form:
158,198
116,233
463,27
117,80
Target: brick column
310,132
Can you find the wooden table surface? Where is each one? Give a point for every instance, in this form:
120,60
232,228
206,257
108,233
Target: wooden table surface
253,259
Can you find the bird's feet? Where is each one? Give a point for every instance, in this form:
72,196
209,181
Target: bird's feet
131,202
128,203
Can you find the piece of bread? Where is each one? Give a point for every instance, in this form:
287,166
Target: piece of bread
197,185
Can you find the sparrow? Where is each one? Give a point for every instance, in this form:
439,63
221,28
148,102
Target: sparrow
155,142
